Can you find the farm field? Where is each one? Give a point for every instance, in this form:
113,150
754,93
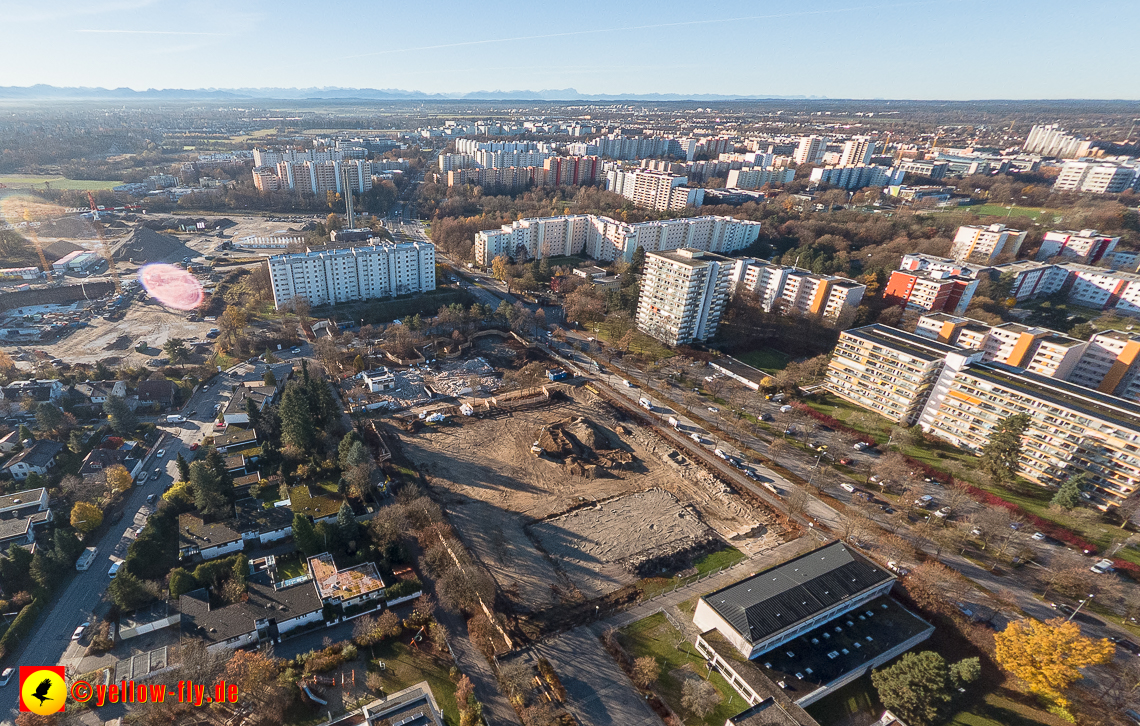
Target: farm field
38,181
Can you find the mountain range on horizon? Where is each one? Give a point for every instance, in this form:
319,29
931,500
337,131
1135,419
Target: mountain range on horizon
47,92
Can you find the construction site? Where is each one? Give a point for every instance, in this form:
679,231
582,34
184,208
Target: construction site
566,499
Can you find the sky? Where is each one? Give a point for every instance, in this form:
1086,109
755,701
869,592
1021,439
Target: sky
922,49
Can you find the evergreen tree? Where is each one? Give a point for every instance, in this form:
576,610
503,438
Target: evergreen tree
26,434
123,419
181,582
297,426
268,378
209,496
636,266
76,442
344,447
349,528
1069,495
1001,454
916,688
183,467
48,417
66,544
305,536
254,414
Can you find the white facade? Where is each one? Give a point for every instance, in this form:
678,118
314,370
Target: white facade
353,273
1087,245
683,294
985,244
857,177
754,177
654,189
810,150
1093,177
1051,140
857,151
795,291
607,239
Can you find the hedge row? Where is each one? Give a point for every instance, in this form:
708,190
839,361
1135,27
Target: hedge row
21,625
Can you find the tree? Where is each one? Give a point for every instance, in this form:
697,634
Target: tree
183,467
347,525
1069,495
1048,655
499,267
965,671
268,378
916,688
27,435
48,417
297,427
1001,454
305,536
76,442
232,323
254,672
253,413
210,497
130,592
699,697
118,478
123,419
645,669
181,582
176,351
86,517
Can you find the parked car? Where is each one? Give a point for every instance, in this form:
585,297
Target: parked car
80,631
160,453
6,676
845,461
194,446
114,569
860,445
1063,608
924,501
1040,537
897,568
714,409
150,498
1123,644
785,408
143,477
847,487
294,351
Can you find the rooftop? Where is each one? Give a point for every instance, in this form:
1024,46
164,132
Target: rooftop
779,597
914,345
304,501
194,532
222,622
39,454
233,436
19,500
343,584
252,516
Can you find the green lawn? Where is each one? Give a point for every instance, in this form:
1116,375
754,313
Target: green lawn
641,343
32,181
406,667
718,560
1001,210
996,710
768,360
290,566
654,636
653,586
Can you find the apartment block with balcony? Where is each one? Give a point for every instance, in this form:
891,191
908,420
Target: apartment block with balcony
683,294
1094,177
932,290
654,190
328,277
1072,429
888,371
1086,246
985,244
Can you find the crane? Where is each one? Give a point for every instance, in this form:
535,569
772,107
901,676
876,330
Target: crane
106,251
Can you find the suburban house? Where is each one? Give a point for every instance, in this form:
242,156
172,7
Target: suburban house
235,464
234,438
413,706
207,540
378,380
261,524
156,391
21,513
50,390
320,507
100,459
235,411
10,442
36,458
354,585
815,623
263,617
97,392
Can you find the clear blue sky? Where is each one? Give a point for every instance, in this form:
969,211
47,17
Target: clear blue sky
954,49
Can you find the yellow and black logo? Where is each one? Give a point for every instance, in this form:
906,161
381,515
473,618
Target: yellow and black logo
42,689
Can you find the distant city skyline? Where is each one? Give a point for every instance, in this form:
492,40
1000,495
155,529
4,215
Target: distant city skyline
918,49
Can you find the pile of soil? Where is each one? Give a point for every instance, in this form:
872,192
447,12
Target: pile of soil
146,245
584,448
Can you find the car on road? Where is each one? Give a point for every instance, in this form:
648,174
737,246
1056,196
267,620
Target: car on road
845,461
1039,536
1102,567
157,473
714,409
6,676
150,498
860,445
114,569
785,408
765,417
294,351
847,487
80,631
1063,608
194,446
143,477
897,568
160,453
1121,643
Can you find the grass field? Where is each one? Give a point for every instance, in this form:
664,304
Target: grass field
768,360
641,343
37,181
405,667
654,636
1000,210
256,134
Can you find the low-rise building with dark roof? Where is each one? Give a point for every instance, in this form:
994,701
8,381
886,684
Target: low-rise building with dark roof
97,392
21,513
319,506
762,611
263,617
34,459
160,391
413,706
806,627
263,524
769,713
235,411
207,540
234,438
99,460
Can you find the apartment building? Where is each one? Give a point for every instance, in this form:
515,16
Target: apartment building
933,168
449,162
683,293
470,146
512,178
1111,364
1096,177
487,159
985,244
755,177
857,151
933,290
265,179
272,157
1086,246
319,177
886,370
1071,429
328,277
654,190
856,177
915,261
572,170
810,150
1051,140
795,291
607,239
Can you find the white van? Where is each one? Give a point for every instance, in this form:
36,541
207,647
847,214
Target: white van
847,487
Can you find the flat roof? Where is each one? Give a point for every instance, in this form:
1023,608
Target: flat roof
218,624
345,584
194,532
781,596
1088,401
915,345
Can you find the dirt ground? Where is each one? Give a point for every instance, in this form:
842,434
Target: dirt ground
494,488
113,341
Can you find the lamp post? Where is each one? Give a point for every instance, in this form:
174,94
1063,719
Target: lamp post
1079,606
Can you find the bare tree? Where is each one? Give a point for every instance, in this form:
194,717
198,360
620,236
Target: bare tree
645,671
797,502
699,697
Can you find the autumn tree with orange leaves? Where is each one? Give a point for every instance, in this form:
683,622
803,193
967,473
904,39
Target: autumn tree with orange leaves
1047,656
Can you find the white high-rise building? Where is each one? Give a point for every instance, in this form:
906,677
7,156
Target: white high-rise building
607,239
1052,140
328,277
810,150
985,244
754,177
1086,246
857,177
1094,177
683,294
856,151
795,291
654,189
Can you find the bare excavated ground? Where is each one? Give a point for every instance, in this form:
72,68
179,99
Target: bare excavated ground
496,491
114,341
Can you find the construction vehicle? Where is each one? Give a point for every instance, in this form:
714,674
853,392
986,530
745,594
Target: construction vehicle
103,248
